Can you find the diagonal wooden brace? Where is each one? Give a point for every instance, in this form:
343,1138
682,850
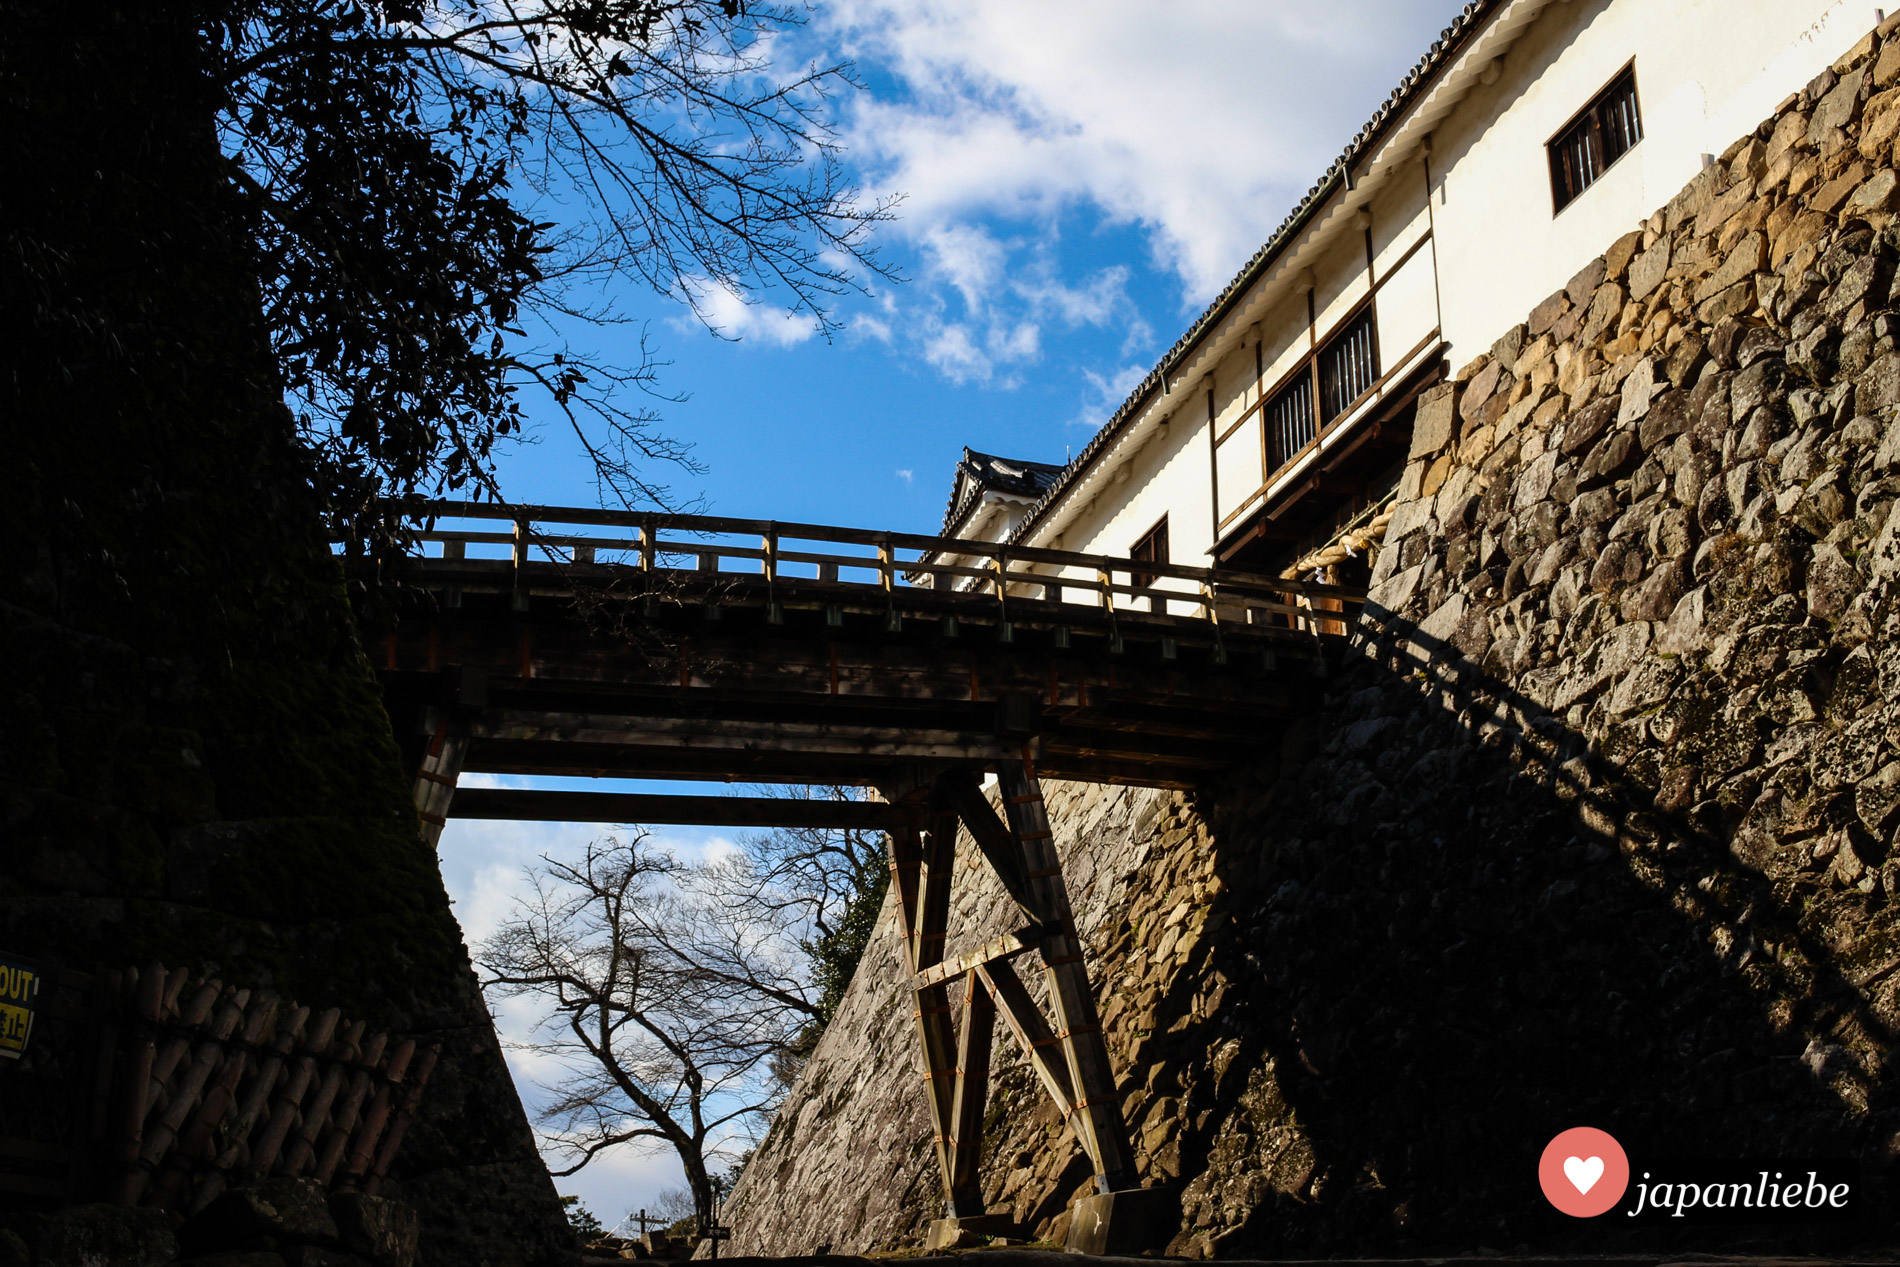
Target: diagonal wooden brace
959,791
974,1034
1032,1032
1097,1119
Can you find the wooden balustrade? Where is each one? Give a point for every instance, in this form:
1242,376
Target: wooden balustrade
990,572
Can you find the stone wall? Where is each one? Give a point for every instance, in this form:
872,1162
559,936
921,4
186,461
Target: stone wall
195,765
1597,825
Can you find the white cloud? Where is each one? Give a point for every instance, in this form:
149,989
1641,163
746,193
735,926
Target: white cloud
870,327
1095,302
1202,121
967,257
907,475
955,353
734,317
1106,392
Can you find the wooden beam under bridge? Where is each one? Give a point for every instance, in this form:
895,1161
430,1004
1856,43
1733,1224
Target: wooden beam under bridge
699,811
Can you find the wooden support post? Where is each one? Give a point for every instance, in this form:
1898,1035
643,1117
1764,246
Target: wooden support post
920,871
1097,1120
974,1033
522,529
768,565
436,777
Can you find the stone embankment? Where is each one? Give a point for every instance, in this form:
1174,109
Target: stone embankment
195,762
1596,827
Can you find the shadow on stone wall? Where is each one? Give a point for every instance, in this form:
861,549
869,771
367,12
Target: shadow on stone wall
1488,933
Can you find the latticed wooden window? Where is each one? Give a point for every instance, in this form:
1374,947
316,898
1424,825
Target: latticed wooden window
1348,366
1602,132
1289,421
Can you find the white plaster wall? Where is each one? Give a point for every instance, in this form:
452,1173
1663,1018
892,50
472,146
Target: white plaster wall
1407,308
1285,337
1707,71
1236,387
1399,216
1169,477
1242,464
1341,281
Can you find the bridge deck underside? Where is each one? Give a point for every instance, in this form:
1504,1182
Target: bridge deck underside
678,675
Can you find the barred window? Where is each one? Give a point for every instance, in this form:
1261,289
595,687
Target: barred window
1348,366
1602,132
1289,421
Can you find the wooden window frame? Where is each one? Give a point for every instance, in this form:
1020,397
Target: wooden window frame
1369,315
1158,531
1308,366
1300,376
1588,123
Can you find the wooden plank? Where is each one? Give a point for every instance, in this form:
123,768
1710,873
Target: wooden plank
720,526
739,737
622,761
1004,947
526,805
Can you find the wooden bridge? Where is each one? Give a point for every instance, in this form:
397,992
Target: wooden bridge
547,641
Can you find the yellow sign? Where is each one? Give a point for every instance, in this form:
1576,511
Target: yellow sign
19,986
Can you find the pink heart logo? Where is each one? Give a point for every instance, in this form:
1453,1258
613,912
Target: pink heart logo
1583,1172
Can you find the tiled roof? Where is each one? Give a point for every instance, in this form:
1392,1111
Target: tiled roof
1442,51
978,473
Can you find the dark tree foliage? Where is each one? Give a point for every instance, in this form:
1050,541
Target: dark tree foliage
835,953
396,159
582,1220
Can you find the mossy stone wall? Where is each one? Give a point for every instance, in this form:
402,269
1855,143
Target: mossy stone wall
195,765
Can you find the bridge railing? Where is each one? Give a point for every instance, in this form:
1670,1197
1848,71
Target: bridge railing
887,561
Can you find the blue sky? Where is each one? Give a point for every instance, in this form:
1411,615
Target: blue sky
1080,177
